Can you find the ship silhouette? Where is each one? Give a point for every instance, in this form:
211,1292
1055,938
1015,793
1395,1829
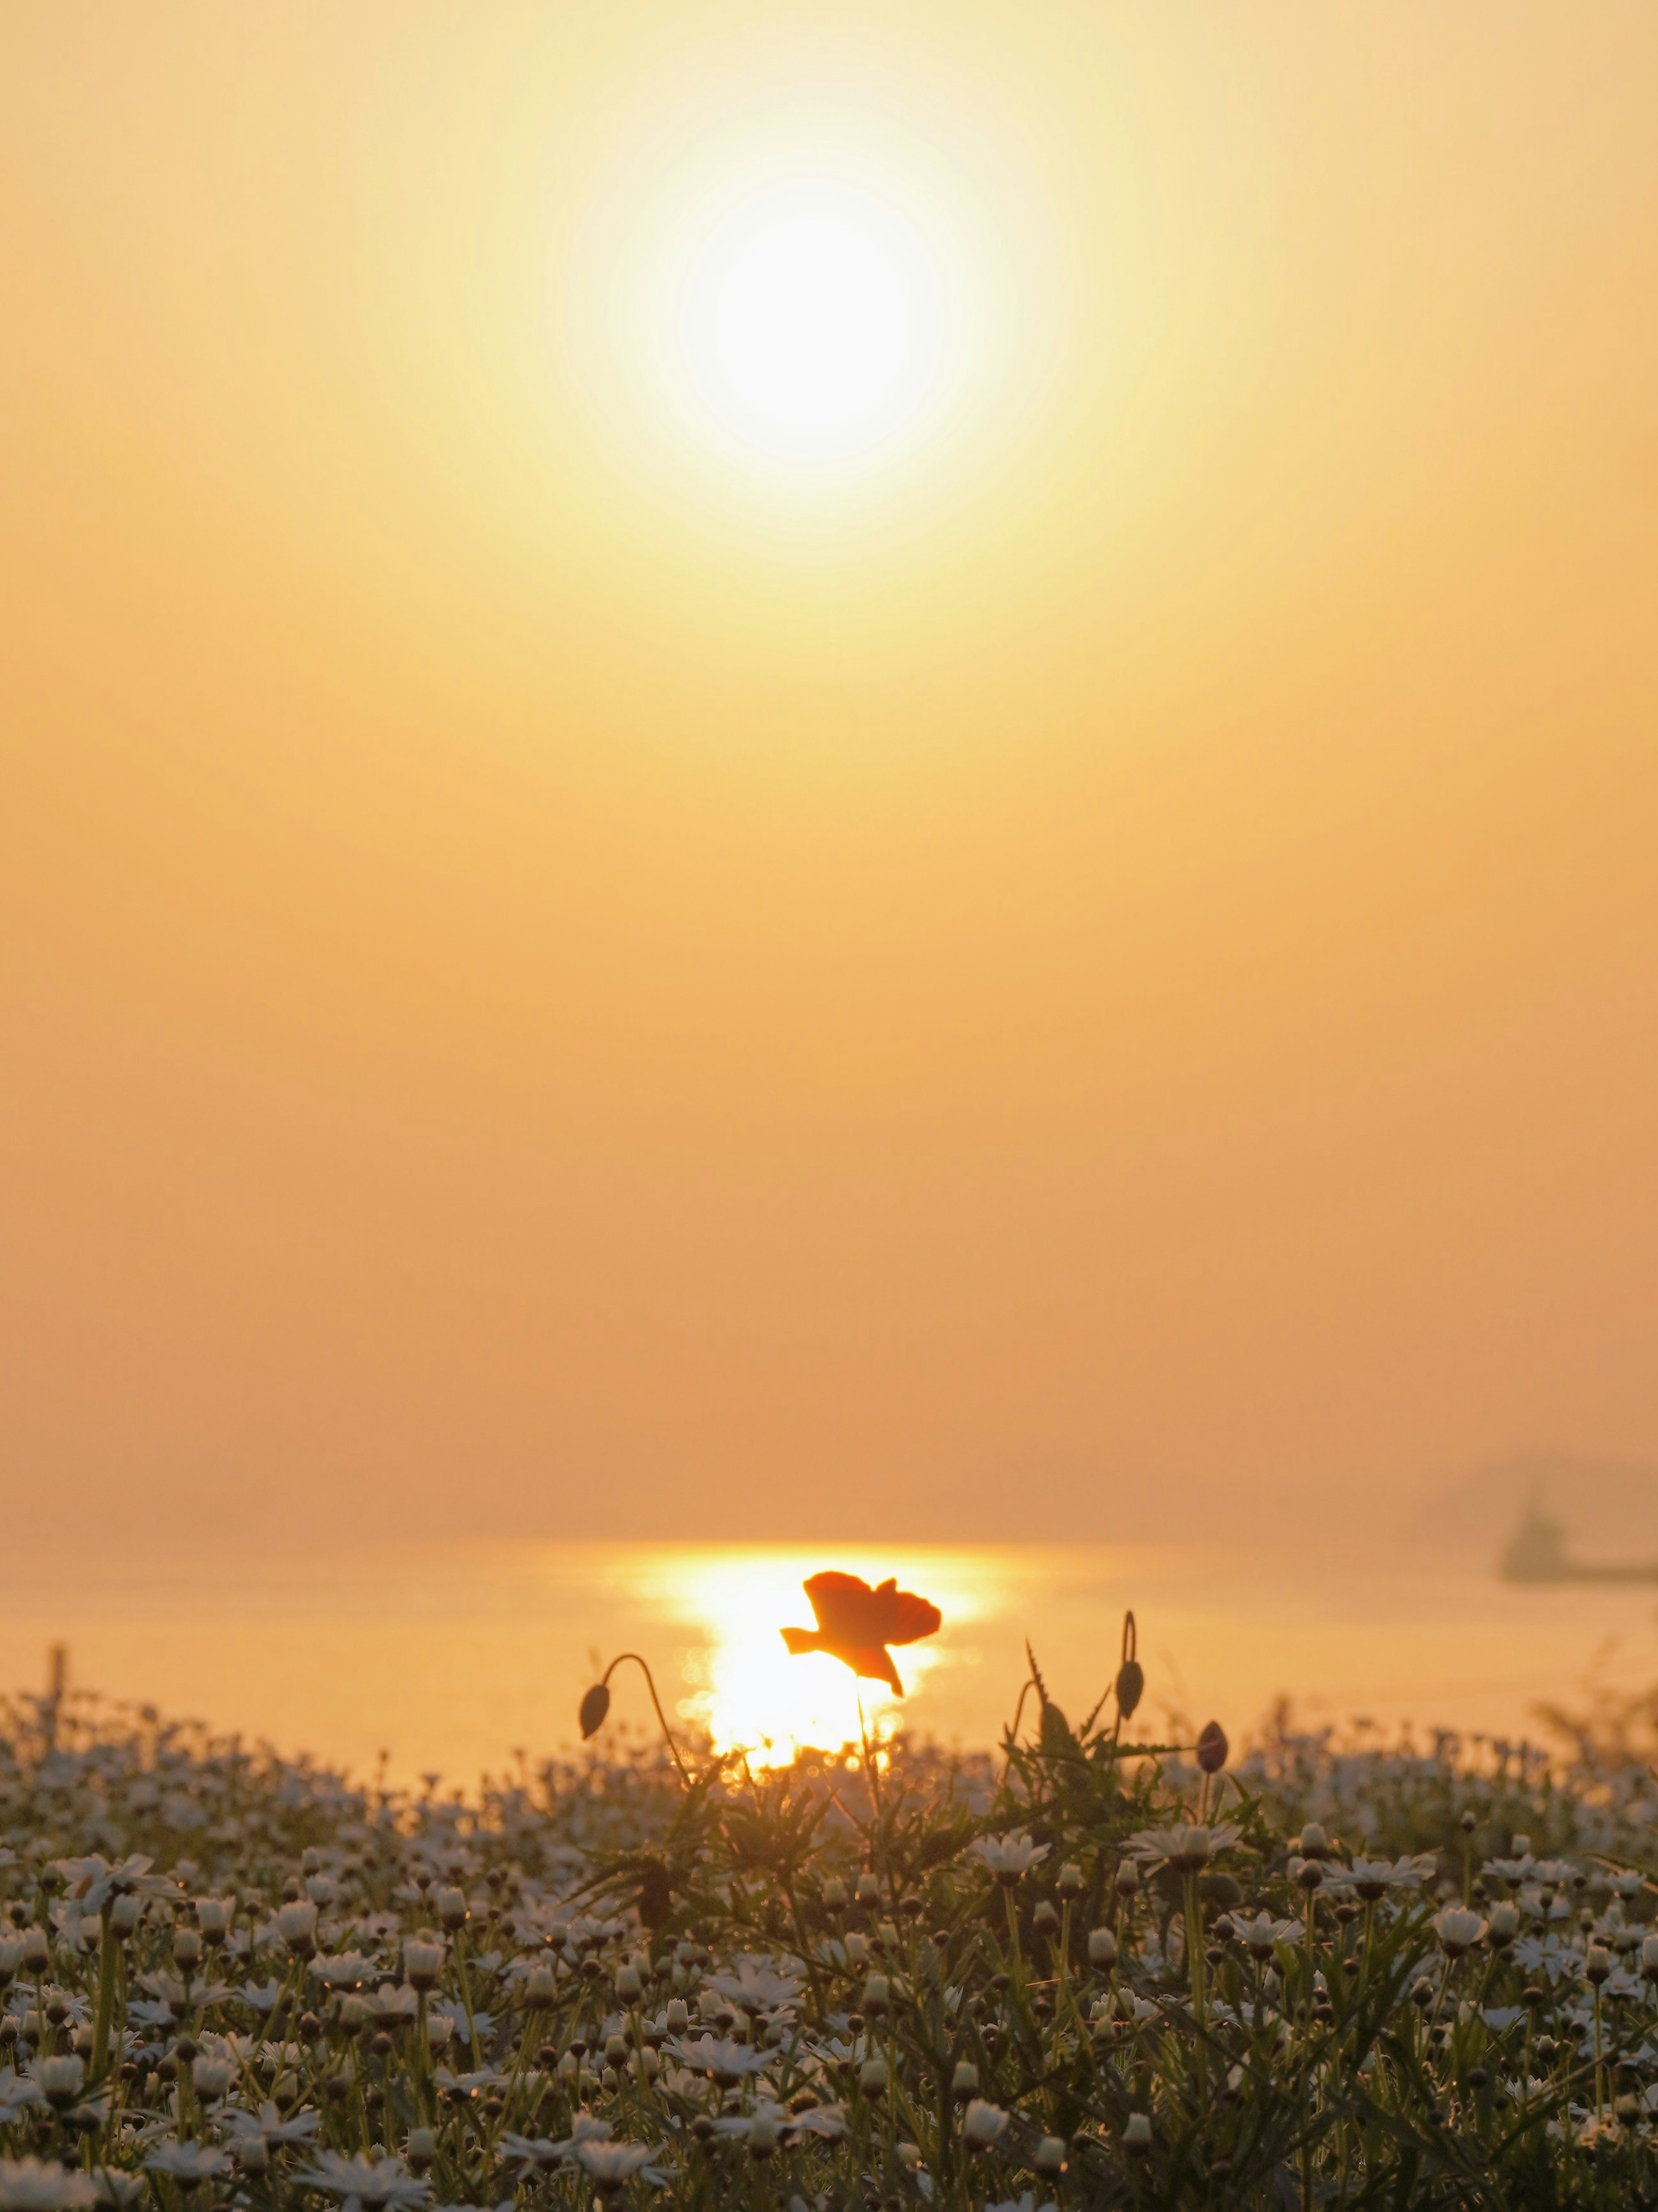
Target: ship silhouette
1537,1552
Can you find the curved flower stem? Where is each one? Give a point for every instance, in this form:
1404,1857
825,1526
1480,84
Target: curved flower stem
869,1767
651,1684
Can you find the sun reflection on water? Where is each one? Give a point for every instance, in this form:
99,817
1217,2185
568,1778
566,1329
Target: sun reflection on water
737,1681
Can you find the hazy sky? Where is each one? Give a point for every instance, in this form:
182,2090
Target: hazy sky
552,978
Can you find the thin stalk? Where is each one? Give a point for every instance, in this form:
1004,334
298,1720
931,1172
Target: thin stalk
109,1956
662,1717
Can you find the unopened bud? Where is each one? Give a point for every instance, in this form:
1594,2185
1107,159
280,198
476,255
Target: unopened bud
1212,1748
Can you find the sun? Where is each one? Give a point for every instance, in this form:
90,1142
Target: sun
812,323
810,317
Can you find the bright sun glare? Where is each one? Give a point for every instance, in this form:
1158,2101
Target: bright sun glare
810,320
810,317
740,1683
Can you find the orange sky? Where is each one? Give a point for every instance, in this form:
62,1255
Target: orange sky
547,986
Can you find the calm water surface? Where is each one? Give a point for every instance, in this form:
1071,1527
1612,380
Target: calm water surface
451,1659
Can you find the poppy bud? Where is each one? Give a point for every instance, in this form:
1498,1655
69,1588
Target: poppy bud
593,1708
1131,1687
1212,1748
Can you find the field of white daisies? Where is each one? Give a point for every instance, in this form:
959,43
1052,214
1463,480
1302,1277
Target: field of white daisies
1083,1972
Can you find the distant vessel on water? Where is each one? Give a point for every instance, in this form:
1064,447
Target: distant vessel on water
1537,1552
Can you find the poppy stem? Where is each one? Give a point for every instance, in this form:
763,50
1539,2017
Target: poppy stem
668,1733
869,1766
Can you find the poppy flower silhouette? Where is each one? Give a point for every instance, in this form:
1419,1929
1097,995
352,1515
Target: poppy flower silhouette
856,1624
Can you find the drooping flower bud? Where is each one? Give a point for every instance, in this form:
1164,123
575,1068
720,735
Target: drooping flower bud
593,1708
1131,1687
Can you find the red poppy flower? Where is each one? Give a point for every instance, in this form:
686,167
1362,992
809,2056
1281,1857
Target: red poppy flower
856,1624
